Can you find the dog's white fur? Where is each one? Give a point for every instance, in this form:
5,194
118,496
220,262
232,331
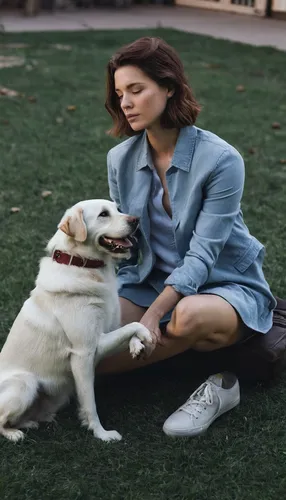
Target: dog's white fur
61,332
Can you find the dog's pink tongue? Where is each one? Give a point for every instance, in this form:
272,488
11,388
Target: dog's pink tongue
124,243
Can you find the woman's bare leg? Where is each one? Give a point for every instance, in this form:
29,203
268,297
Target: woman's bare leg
199,322
123,362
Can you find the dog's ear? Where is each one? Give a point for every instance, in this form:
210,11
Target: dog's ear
74,226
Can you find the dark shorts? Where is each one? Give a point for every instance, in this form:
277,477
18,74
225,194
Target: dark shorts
250,305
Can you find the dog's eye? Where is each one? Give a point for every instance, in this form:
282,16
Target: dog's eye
104,213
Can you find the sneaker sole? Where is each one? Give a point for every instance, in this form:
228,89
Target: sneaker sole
200,430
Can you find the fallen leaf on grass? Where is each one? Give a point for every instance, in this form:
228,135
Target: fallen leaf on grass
240,88
10,61
32,98
276,125
15,210
71,108
60,46
45,194
252,151
283,161
8,92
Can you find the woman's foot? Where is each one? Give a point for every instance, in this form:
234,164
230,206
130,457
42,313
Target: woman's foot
217,395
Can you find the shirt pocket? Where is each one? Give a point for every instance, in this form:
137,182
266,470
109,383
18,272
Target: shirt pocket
249,255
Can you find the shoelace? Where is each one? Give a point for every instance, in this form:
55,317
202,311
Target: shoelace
198,400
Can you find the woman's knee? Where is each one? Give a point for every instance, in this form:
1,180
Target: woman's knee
208,321
187,318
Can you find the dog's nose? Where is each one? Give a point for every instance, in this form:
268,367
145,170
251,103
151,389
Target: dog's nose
133,221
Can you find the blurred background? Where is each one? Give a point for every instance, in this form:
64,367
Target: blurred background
264,8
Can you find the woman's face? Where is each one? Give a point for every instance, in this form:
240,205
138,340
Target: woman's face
141,99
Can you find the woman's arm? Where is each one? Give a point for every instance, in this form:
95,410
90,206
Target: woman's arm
168,299
221,204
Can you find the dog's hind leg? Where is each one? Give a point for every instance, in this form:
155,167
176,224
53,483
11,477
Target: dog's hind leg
44,409
51,405
18,391
11,434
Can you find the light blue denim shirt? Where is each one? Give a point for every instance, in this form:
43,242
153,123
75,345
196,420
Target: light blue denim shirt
205,183
161,229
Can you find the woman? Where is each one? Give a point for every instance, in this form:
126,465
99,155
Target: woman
196,272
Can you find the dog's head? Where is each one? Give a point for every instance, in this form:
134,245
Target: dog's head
98,225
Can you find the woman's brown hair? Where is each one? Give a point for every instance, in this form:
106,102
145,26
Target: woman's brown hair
160,62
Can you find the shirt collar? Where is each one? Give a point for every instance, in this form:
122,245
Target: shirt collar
183,154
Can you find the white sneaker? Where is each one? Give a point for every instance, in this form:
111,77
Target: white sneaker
218,394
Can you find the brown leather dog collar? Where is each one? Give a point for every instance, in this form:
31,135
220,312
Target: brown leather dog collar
71,260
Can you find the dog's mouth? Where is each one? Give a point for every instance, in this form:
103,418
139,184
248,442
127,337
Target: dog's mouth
115,245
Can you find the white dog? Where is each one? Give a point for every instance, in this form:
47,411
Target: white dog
61,332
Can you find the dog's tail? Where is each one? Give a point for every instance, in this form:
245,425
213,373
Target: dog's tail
18,390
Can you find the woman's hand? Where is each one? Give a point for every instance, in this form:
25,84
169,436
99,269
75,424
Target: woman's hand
168,299
152,323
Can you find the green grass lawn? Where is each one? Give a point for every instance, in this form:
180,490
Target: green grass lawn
43,146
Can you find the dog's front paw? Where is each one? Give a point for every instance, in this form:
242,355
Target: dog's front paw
107,435
142,333
136,347
141,344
